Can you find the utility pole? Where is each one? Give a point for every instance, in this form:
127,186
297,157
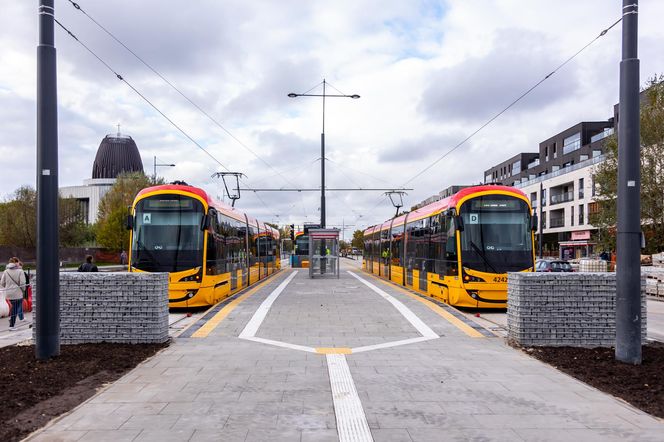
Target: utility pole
541,221
628,273
47,321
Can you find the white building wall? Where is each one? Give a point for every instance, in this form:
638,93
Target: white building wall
93,191
561,177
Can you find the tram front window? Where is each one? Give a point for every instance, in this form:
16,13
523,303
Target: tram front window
167,234
496,236
302,245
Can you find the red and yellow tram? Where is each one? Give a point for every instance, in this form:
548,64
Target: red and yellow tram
209,249
458,249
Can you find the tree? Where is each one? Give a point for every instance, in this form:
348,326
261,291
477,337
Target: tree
18,221
74,230
110,229
358,239
652,175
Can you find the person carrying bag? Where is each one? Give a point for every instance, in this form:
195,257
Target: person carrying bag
14,282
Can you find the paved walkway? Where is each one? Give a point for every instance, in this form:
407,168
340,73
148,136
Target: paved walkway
347,359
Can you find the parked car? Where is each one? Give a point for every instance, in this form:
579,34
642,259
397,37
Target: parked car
549,265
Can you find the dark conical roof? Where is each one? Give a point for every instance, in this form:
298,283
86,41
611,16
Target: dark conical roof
116,154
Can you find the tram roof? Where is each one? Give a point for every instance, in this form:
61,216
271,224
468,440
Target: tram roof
218,205
439,206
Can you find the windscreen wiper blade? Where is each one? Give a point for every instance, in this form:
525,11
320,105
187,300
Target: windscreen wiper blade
483,256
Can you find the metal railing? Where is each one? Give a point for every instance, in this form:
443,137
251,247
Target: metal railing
596,160
562,198
556,222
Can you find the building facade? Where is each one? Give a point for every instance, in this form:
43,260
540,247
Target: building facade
559,182
116,154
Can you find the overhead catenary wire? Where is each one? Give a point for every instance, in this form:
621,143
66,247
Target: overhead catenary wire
505,109
124,80
176,89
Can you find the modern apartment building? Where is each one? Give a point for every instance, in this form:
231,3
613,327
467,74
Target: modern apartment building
559,181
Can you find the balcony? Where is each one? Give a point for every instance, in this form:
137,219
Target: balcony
562,198
558,221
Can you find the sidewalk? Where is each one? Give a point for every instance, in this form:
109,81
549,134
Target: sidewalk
347,359
22,333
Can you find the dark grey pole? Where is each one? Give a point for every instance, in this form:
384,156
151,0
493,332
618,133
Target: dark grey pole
628,290
541,222
47,333
322,166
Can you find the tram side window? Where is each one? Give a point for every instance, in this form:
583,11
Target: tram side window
396,249
216,250
445,248
385,246
417,249
252,245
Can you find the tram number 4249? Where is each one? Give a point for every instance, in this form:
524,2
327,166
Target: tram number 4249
500,279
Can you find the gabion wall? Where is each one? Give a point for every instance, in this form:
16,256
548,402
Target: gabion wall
113,307
564,309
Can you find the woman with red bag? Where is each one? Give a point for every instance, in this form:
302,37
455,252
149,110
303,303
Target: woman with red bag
13,281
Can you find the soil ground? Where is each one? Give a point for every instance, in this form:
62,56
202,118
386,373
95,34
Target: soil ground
640,385
34,392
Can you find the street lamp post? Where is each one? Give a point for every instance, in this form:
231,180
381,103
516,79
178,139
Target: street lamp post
322,145
154,171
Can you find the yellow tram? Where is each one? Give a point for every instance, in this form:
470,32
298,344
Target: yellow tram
458,249
209,249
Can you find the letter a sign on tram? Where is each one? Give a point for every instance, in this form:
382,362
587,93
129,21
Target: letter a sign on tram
147,218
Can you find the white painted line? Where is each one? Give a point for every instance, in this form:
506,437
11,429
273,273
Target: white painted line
421,327
390,344
281,344
352,423
258,318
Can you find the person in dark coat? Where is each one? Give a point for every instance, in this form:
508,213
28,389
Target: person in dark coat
88,266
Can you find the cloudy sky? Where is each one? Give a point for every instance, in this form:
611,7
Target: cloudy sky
429,73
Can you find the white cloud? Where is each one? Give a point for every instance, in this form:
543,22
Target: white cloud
429,74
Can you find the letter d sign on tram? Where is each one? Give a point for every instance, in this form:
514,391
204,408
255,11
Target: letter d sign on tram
474,218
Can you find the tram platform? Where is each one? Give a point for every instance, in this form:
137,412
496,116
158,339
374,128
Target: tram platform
349,359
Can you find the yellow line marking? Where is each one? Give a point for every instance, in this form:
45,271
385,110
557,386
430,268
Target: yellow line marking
211,324
467,329
334,350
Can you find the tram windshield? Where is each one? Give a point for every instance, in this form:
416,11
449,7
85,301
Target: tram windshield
496,234
167,235
302,245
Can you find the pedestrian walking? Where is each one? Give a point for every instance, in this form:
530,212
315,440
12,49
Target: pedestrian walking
13,282
123,258
88,266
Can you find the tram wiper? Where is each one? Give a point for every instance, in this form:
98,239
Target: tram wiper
483,256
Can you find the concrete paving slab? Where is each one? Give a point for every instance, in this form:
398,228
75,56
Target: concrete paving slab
453,387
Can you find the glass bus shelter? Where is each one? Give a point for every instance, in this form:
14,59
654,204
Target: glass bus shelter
323,253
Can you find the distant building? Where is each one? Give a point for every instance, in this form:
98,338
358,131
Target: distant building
559,178
439,196
116,154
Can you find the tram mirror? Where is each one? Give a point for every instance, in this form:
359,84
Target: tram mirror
129,223
534,223
205,222
458,223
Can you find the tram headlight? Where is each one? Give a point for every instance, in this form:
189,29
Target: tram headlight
195,277
470,278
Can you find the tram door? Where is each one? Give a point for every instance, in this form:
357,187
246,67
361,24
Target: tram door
233,276
385,253
423,277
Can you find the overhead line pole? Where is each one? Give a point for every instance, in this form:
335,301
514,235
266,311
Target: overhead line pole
47,320
312,189
628,272
322,145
